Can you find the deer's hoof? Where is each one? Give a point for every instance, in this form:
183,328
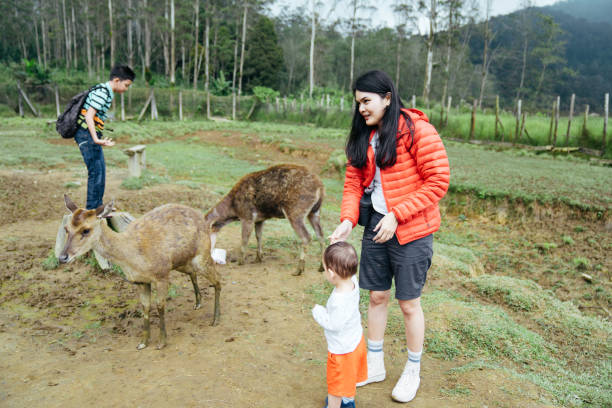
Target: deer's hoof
215,322
321,268
141,346
197,306
298,272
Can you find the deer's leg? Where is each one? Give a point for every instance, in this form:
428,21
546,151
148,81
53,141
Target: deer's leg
258,230
162,292
315,220
145,299
247,227
209,270
298,225
194,281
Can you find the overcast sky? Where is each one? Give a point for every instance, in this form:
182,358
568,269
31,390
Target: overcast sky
384,15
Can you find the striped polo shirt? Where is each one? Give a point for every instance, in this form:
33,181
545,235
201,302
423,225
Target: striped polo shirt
100,99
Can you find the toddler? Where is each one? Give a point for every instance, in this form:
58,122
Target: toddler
341,321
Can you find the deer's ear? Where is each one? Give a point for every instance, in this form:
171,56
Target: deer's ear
104,210
70,204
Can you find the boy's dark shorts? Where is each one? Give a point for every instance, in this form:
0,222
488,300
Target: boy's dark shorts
380,263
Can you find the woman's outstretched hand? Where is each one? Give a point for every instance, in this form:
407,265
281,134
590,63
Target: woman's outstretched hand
342,232
386,228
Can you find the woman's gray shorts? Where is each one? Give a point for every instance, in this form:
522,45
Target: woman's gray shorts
407,263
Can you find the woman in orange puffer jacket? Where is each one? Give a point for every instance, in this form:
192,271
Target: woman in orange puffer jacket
398,169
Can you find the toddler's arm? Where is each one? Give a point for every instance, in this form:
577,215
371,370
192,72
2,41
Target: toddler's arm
333,319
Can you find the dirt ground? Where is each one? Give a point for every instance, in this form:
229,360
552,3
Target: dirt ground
68,336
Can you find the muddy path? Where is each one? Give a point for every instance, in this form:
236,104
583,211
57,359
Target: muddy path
68,336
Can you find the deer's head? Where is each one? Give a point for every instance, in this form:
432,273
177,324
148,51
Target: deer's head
83,229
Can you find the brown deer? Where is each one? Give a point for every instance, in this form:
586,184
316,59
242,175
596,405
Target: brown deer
168,237
281,191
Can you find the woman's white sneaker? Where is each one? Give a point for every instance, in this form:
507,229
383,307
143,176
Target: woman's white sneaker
376,368
406,388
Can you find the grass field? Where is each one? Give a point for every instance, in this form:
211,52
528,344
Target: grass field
504,294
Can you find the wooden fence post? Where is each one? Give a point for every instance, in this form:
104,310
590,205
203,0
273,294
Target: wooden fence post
585,131
57,103
146,105
122,108
523,118
413,101
518,120
181,106
25,98
496,116
342,104
448,107
552,121
20,105
569,121
473,124
556,127
605,129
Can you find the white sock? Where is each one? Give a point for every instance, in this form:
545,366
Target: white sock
414,360
375,346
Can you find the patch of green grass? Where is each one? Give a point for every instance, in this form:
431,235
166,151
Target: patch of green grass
50,262
581,263
518,294
567,240
72,184
146,179
487,334
491,174
457,390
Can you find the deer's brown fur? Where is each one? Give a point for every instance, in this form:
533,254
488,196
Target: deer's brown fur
281,191
168,237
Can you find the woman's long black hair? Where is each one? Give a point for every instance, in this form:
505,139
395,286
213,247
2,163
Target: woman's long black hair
357,144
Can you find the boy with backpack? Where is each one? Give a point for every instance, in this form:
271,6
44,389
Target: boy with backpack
90,124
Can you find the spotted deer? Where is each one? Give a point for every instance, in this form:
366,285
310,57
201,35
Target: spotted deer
168,237
281,191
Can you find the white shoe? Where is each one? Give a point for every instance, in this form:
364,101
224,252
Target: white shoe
376,368
408,384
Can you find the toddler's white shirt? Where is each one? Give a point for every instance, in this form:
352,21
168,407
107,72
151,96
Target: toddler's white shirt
341,320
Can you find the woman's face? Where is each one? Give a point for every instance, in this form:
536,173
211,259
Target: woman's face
372,106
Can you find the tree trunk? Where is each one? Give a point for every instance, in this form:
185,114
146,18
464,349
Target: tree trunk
485,56
430,45
38,56
172,44
111,33
130,48
66,36
207,65
242,56
88,40
44,40
147,35
196,6
353,33
75,58
235,69
312,44
397,60
523,68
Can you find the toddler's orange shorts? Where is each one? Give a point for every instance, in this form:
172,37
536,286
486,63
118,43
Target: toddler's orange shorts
344,371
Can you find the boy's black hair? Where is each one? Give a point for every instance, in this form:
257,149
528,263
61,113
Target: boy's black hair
341,258
123,72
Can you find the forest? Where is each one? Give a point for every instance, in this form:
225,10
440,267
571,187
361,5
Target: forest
225,47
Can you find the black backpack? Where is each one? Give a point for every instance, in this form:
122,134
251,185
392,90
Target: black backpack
66,124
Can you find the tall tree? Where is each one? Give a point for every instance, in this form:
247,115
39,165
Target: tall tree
430,9
486,57
196,6
111,37
244,33
172,44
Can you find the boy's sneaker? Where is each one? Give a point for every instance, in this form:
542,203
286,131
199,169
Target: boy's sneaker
343,404
376,368
408,384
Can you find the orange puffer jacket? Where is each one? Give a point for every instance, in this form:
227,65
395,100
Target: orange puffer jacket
412,187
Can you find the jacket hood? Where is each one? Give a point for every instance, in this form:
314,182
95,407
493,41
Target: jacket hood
415,115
